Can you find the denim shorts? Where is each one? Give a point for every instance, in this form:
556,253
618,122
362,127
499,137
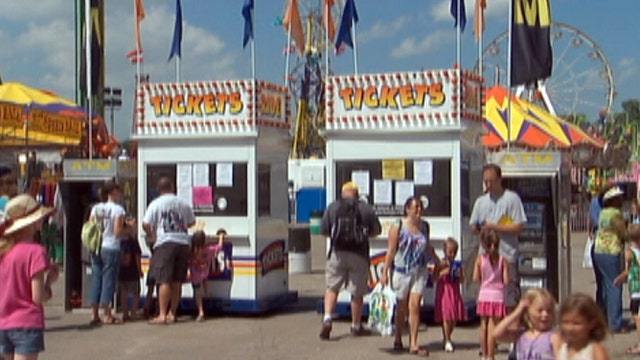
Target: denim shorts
21,341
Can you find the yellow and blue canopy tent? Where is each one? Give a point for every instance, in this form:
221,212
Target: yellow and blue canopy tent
528,125
34,117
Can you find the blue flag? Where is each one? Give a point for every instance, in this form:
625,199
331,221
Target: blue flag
462,16
247,9
176,45
349,17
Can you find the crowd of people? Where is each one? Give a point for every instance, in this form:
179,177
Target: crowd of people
527,322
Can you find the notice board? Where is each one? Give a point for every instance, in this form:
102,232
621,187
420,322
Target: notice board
386,184
213,189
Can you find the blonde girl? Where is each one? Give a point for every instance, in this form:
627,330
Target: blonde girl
491,270
531,327
449,306
583,329
26,277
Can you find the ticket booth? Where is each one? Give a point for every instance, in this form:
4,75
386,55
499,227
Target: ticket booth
403,134
542,180
225,145
79,189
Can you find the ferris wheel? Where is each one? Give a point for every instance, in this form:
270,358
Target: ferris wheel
305,76
581,81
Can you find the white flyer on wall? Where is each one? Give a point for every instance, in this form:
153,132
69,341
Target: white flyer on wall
382,192
361,177
201,174
184,182
404,190
224,174
423,172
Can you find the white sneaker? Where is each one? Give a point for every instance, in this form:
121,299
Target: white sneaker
448,346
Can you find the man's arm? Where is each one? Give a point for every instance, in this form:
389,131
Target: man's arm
325,223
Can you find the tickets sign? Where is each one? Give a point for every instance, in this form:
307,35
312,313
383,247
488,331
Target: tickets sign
214,101
409,94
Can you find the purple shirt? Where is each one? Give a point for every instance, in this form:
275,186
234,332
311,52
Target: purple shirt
535,348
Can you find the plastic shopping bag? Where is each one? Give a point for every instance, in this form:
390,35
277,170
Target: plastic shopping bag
382,302
587,261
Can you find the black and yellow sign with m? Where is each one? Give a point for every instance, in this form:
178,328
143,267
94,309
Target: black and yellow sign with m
531,54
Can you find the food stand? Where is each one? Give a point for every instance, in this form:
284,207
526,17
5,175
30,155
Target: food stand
225,145
404,134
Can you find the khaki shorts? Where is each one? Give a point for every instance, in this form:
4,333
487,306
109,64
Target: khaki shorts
170,263
413,282
347,269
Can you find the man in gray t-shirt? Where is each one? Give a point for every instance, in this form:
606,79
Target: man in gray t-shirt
501,210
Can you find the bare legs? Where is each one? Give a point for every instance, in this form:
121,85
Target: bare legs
487,342
410,306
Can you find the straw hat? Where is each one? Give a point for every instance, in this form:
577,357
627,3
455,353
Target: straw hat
20,212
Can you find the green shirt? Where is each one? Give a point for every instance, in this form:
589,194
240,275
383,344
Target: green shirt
611,232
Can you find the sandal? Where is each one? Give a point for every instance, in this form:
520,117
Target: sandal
157,321
111,321
634,350
421,352
397,346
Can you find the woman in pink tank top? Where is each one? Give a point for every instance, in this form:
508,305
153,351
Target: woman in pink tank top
492,272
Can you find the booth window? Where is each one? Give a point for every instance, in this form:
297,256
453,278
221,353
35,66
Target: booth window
436,190
223,194
264,190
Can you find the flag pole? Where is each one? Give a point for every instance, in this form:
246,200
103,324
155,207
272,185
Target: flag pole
287,58
326,44
87,27
355,46
137,25
178,68
253,68
459,59
509,69
480,29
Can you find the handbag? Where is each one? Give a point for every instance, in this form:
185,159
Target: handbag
382,302
587,261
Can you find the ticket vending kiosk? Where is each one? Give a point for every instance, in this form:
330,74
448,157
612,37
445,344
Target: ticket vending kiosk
407,134
225,145
79,189
542,180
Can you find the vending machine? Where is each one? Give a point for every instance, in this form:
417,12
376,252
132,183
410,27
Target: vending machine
533,265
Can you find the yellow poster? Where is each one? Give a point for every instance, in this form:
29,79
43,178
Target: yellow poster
393,169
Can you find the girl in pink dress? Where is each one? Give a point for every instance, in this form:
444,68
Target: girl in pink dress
492,272
449,306
199,267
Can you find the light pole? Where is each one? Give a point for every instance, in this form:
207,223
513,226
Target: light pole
113,100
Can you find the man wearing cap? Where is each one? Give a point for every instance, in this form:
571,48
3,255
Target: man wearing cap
8,186
607,253
347,267
166,223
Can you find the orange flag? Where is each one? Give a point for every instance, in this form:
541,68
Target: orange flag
327,18
293,23
478,23
139,13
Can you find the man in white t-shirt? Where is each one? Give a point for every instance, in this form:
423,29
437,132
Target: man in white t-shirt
501,210
166,223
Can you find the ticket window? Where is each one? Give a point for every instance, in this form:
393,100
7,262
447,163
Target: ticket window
213,189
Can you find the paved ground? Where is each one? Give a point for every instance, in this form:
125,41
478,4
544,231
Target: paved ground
291,333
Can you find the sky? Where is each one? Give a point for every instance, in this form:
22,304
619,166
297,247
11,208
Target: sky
37,40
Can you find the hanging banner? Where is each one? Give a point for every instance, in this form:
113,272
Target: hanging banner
531,55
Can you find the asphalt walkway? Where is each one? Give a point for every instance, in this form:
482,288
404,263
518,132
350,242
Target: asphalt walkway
291,333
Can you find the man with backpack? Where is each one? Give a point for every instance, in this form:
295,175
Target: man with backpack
349,223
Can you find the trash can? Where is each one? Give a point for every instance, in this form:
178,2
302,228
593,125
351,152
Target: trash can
314,221
299,249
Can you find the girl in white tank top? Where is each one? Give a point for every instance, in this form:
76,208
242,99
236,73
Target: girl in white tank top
583,329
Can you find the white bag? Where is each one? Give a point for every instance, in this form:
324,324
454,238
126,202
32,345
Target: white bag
587,261
382,302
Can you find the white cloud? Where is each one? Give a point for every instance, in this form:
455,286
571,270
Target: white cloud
412,46
627,70
384,29
40,51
